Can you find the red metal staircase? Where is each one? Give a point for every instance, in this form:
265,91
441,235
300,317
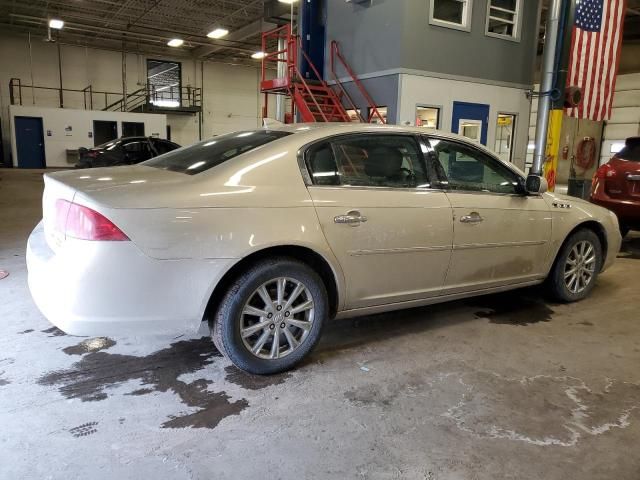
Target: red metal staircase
314,100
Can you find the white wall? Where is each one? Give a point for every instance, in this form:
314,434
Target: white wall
625,115
429,91
624,122
230,92
56,120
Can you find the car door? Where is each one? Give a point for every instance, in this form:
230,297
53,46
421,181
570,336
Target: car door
500,234
390,231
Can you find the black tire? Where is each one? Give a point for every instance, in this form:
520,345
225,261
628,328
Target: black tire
556,284
226,324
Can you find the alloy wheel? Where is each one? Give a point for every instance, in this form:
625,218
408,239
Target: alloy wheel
277,318
580,267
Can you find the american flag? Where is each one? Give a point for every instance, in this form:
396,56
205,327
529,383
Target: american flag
595,54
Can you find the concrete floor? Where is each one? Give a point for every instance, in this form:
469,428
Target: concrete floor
506,386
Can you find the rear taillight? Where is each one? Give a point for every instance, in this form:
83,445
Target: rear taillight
605,171
77,221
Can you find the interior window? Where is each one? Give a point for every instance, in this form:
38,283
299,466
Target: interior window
450,13
368,160
502,18
465,168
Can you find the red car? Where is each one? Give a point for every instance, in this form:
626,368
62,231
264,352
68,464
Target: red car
616,186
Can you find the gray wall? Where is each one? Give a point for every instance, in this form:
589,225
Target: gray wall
383,91
391,34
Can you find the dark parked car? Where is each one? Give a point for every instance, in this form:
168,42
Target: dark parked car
124,151
616,186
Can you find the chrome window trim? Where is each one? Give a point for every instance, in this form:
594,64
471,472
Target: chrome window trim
306,175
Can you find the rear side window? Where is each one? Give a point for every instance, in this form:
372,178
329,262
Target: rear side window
205,155
631,151
369,161
163,146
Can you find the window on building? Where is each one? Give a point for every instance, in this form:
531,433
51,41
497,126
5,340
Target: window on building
503,18
354,115
374,118
428,117
505,132
164,80
451,13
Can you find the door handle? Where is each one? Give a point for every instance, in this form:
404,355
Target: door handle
473,217
352,218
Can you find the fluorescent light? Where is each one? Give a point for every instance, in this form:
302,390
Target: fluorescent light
218,33
288,1
259,55
56,23
175,42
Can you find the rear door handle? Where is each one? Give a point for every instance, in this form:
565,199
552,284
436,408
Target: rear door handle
473,217
352,218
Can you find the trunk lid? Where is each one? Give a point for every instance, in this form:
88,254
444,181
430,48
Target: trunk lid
626,181
115,187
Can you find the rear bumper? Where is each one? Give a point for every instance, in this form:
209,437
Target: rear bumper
627,211
112,289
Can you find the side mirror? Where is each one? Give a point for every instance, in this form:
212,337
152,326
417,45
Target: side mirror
536,185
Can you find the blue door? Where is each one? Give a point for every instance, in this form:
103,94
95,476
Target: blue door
471,120
30,142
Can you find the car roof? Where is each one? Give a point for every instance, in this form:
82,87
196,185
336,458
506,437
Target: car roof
318,131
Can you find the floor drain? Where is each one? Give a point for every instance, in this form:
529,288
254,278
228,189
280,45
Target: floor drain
3,274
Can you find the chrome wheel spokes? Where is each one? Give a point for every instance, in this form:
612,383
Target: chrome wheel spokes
580,267
277,318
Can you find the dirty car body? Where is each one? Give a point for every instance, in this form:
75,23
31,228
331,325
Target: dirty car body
313,221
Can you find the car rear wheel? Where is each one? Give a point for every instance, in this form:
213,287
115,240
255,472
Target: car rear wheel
577,266
271,316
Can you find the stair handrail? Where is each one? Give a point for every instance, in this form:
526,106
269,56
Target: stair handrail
109,107
304,83
335,52
344,91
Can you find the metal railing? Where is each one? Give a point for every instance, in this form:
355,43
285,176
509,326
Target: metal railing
373,110
145,98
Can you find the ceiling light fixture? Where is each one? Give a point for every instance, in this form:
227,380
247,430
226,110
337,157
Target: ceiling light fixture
175,42
218,33
288,1
258,55
56,24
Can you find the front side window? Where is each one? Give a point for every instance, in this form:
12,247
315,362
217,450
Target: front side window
462,167
210,153
368,161
451,13
503,18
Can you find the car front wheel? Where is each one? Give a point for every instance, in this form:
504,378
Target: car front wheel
271,316
577,266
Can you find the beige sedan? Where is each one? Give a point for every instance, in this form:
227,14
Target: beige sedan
267,234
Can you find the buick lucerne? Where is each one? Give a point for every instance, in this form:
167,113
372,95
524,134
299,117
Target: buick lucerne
267,234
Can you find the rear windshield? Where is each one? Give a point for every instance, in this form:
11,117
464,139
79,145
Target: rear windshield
631,151
205,155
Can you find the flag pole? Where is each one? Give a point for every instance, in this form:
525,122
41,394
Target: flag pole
546,88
